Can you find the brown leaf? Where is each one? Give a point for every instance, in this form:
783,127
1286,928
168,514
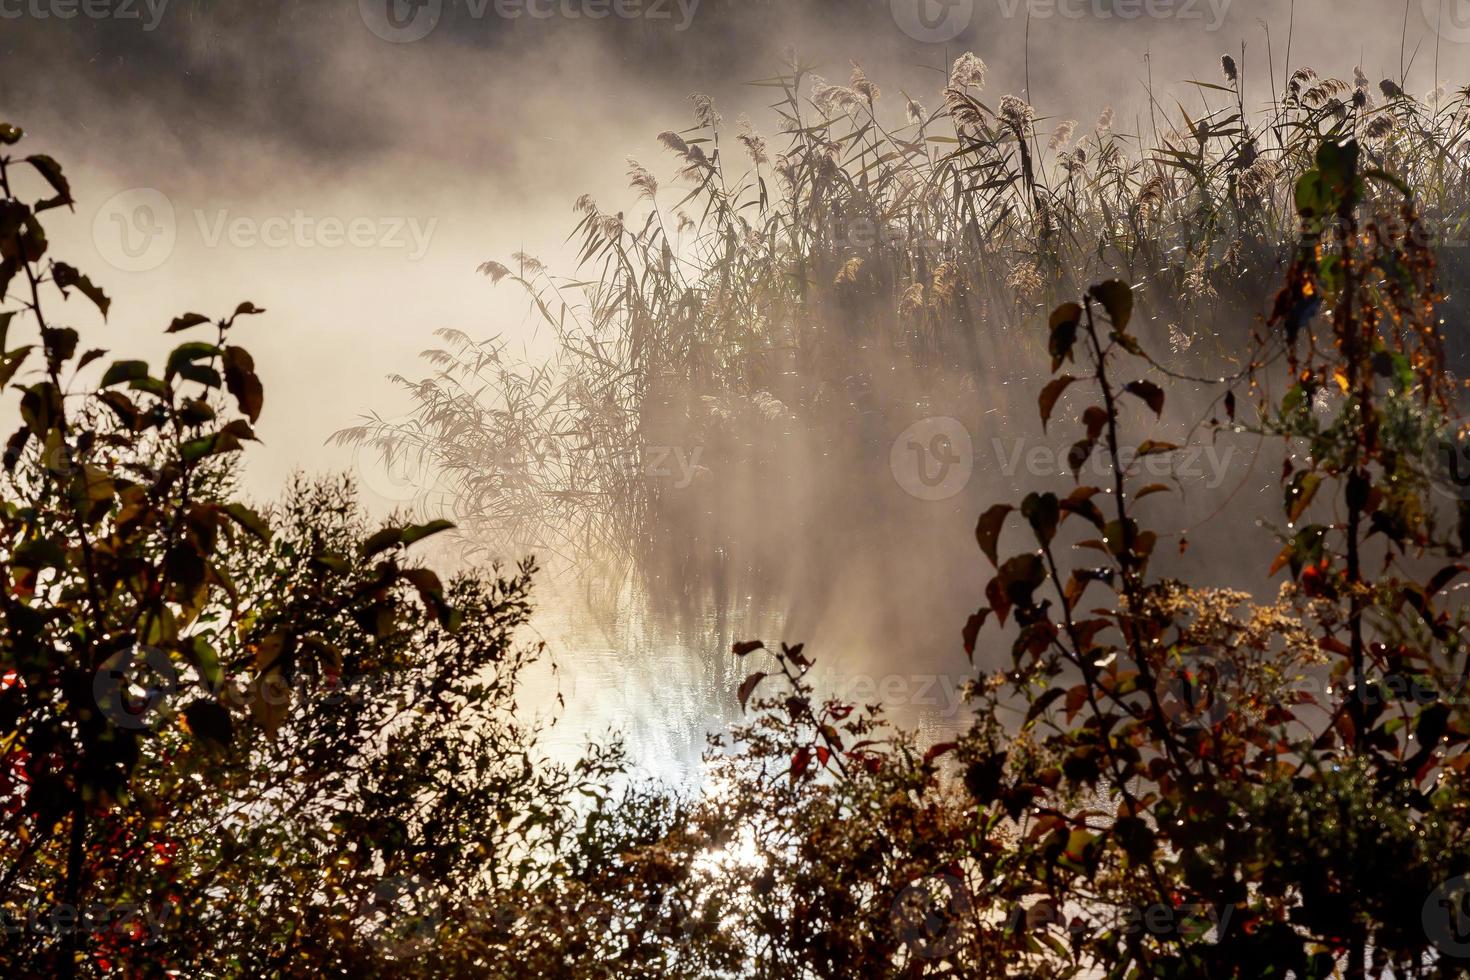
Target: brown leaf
1152,394
1049,396
748,686
987,532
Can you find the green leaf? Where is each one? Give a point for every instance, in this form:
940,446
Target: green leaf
249,520
186,354
121,370
206,659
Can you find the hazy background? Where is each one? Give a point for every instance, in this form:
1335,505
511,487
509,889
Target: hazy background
473,141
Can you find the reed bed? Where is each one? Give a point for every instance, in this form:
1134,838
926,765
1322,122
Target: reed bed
738,349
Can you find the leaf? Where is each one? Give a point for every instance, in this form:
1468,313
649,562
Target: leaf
244,309
382,540
249,520
1042,703
1299,495
1076,698
801,761
747,646
1152,394
1117,298
747,686
242,382
1049,395
186,321
417,532
1021,576
987,532
1043,512
225,441
1150,489
205,659
51,170
1094,418
66,277
12,362
186,354
1064,322
207,719
971,631
1150,447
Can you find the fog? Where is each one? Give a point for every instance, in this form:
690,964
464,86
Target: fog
323,161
